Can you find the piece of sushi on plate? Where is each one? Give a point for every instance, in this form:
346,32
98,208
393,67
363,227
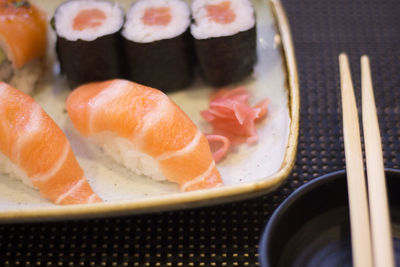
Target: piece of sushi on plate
23,43
34,149
141,128
224,34
157,44
88,40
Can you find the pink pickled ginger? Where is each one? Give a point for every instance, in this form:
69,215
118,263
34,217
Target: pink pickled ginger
233,119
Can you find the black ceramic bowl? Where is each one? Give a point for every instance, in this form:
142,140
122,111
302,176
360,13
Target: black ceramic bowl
311,228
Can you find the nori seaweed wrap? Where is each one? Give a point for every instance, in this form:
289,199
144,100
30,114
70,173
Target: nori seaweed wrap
157,44
225,39
88,40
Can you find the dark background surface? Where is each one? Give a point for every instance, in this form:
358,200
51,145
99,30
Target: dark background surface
228,235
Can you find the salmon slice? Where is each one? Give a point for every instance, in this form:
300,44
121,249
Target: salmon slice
23,31
32,141
221,13
160,16
151,122
88,18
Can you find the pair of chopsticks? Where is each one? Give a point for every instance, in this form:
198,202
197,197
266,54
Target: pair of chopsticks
369,214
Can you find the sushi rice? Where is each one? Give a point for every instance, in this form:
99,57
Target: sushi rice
204,27
125,153
24,78
137,31
7,167
70,9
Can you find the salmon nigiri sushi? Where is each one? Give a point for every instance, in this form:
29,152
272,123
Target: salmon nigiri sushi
23,43
33,148
144,130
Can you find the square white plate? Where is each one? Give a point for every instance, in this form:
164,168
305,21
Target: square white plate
247,172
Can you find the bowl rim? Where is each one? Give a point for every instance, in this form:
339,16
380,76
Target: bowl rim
264,245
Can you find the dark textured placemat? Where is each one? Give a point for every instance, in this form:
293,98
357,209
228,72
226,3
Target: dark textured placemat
228,235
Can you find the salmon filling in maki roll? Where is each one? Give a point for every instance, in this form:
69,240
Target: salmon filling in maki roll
88,40
225,39
157,44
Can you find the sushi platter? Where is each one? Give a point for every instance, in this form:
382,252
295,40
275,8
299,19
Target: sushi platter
248,170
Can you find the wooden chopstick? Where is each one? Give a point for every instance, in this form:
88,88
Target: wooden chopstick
371,241
382,245
358,203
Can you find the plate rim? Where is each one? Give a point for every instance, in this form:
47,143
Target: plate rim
200,198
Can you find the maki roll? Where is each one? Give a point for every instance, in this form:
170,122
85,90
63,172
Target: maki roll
88,40
23,43
157,44
225,39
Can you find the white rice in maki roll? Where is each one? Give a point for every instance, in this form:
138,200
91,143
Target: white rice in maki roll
157,44
88,40
225,39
